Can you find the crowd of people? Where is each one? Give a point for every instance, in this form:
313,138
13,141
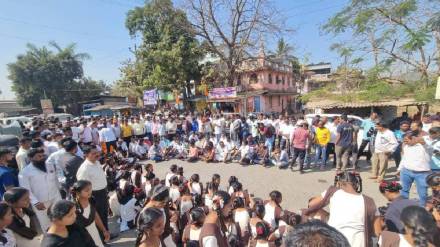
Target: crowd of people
68,178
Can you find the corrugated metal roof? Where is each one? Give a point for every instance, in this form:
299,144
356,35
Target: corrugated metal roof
328,104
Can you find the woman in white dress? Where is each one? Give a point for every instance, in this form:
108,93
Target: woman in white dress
151,225
23,224
273,209
7,238
191,233
86,211
194,185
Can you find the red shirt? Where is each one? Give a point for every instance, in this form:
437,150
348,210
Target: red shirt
299,138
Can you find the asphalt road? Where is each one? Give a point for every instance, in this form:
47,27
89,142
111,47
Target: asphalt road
296,188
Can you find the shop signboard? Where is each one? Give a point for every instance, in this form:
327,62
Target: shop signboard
150,97
222,92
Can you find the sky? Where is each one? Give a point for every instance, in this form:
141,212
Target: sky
97,27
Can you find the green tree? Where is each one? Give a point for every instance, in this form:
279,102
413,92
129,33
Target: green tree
168,55
55,73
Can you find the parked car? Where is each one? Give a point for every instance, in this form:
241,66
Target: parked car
10,120
63,117
356,120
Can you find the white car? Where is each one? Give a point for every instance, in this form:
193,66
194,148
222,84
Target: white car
10,120
355,119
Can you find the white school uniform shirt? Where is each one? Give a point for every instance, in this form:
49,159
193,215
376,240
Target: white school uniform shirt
94,173
218,128
107,135
42,186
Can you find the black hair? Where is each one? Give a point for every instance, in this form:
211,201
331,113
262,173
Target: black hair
232,179
25,139
434,130
34,151
195,177
159,193
87,149
238,203
315,234
126,194
215,177
146,220
390,186
79,186
211,186
197,216
423,226
174,180
349,177
275,195
37,144
263,230
180,170
4,151
260,210
404,122
69,145
173,168
13,195
433,179
224,195
237,186
59,209
4,207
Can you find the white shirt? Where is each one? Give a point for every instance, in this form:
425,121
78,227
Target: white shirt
141,149
147,126
54,160
107,135
333,131
52,147
167,179
244,150
218,126
94,173
21,157
347,213
128,211
117,130
221,152
385,142
76,131
415,158
42,186
87,134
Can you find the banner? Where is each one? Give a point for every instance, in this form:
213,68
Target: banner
437,91
222,92
150,97
46,106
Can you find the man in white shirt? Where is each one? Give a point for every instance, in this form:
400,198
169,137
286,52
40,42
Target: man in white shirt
333,128
92,171
384,145
148,127
76,132
222,153
414,167
218,127
22,155
107,135
116,128
53,145
87,134
138,128
40,179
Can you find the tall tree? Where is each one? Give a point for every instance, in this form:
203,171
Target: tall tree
56,74
230,28
168,55
396,31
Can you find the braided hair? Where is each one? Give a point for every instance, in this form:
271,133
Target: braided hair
147,219
351,177
389,186
422,225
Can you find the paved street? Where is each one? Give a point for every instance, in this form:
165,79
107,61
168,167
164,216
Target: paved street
296,188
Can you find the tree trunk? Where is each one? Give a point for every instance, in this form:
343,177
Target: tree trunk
437,44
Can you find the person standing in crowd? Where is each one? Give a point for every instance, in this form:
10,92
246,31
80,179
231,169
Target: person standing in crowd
391,218
8,177
367,126
107,135
116,128
344,143
235,130
426,122
21,156
86,137
399,134
92,171
7,238
138,128
171,128
333,128
71,163
214,228
63,230
396,122
322,138
148,127
218,127
40,179
433,144
384,145
24,220
414,167
417,127
299,139
126,132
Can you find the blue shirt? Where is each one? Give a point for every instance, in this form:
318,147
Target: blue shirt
195,126
399,135
367,124
345,131
7,178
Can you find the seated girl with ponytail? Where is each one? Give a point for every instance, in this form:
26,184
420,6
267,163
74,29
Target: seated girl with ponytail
351,213
391,218
191,233
420,230
263,232
63,230
150,226
86,215
24,224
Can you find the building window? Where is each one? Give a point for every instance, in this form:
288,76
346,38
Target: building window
270,78
253,78
277,80
270,101
283,80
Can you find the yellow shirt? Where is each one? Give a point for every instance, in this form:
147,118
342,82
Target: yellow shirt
126,130
322,136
